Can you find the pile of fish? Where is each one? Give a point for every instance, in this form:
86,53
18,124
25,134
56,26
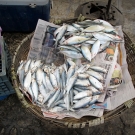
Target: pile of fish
67,87
85,39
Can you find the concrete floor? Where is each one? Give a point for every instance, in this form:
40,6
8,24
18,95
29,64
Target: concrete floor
15,120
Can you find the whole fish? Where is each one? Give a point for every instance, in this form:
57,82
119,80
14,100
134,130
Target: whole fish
91,41
39,76
52,99
71,82
21,74
53,80
104,23
48,83
72,54
98,69
94,28
83,94
70,73
101,36
31,93
27,80
95,48
96,83
57,31
42,90
86,52
95,75
90,22
60,34
26,68
75,40
82,103
34,88
82,83
69,48
83,76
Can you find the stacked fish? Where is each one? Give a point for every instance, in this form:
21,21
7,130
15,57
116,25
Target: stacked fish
85,39
67,87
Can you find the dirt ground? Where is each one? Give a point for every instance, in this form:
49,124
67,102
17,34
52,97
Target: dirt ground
16,120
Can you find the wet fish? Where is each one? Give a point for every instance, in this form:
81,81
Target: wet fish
75,40
82,103
83,94
98,69
95,48
72,54
96,83
27,80
86,52
34,88
95,75
94,28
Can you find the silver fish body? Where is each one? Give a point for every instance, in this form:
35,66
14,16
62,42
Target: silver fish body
104,46
83,76
53,80
86,52
82,103
95,75
95,91
83,94
94,99
21,74
82,83
42,90
27,80
34,88
53,98
48,83
39,76
94,28
56,109
96,83
98,69
95,48
72,54
75,40
27,65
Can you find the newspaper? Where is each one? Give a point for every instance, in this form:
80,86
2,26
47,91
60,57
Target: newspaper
107,59
126,90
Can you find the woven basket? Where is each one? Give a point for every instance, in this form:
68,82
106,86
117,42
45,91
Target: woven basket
21,54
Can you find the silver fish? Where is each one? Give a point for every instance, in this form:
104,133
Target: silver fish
95,75
21,66
34,88
72,54
70,73
83,76
98,69
42,90
67,101
26,68
31,93
83,94
82,103
48,83
53,81
101,36
94,28
104,23
57,75
82,83
90,22
86,52
39,76
95,48
69,48
62,40
71,28
57,31
64,78
32,64
27,80
96,83
71,97
71,82
21,74
75,40
71,63
53,98
60,34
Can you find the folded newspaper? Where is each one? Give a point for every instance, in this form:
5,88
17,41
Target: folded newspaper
116,79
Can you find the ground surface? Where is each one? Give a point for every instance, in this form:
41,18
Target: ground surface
15,120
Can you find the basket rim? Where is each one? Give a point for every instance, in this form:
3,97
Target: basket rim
96,121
